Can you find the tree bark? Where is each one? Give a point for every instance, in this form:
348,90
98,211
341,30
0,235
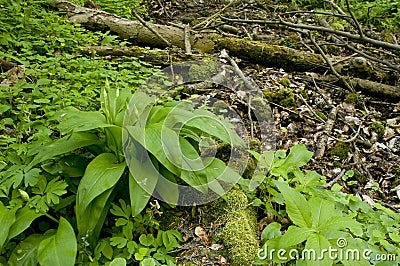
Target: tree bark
253,51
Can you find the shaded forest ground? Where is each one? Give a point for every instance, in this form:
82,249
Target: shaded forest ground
362,147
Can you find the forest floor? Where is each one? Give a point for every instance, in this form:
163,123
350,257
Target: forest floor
363,149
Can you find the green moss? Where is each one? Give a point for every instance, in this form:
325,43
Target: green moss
284,97
285,82
304,93
378,127
240,232
239,235
352,98
201,72
341,149
337,26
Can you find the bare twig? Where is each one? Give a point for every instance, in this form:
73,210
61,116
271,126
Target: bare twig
360,31
322,29
150,28
313,12
334,181
321,145
309,108
329,63
188,47
206,21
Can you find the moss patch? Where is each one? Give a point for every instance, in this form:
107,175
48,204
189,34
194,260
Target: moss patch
239,235
341,149
352,98
378,127
201,72
284,97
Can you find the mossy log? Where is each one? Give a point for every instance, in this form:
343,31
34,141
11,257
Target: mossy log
256,52
136,32
367,87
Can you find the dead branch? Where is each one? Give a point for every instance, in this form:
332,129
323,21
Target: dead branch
359,38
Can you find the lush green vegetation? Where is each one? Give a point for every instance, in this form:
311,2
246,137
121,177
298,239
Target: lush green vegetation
63,175
378,14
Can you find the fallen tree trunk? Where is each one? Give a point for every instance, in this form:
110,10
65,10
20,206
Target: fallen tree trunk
135,31
256,52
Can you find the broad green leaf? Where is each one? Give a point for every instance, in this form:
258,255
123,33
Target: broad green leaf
296,205
91,220
118,241
138,109
292,237
272,230
71,166
146,240
74,120
64,145
208,122
148,262
298,156
316,251
143,177
118,262
7,218
321,211
167,187
151,139
60,248
23,219
101,174
25,253
342,223
139,197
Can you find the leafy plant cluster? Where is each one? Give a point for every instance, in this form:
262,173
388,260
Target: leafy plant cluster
320,218
379,14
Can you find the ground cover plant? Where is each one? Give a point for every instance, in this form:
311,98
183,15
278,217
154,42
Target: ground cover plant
67,196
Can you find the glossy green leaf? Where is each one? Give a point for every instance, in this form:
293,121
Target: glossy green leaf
151,139
101,174
7,218
118,262
341,223
167,187
321,211
25,253
23,219
208,122
298,156
139,197
317,247
64,145
74,120
293,236
91,220
71,166
297,207
60,248
271,230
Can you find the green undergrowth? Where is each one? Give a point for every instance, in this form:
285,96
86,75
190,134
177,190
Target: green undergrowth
67,197
378,14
